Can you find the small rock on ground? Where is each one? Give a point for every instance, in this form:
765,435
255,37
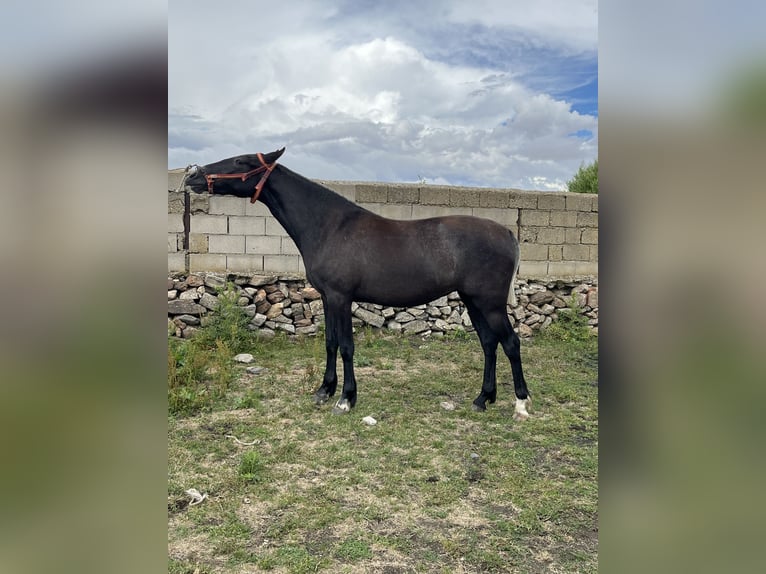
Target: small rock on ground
244,358
369,421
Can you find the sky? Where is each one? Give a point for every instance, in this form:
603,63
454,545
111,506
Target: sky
491,93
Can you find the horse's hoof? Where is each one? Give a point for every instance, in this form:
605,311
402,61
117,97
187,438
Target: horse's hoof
520,416
320,398
478,408
342,407
520,410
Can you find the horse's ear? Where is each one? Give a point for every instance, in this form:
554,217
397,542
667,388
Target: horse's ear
273,156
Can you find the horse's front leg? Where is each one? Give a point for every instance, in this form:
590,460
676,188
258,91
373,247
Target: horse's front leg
330,380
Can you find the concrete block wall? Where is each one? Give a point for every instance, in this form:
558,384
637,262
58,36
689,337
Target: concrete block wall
558,232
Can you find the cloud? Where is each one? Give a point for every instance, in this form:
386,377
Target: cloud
381,106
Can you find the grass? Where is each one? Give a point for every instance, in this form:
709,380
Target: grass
323,493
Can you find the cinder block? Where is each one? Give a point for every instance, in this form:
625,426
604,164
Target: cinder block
535,217
289,247
563,218
216,224
174,178
576,252
226,244
394,211
465,197
244,263
175,202
493,198
172,242
555,253
280,263
263,244
273,227
257,209
198,243
522,199
594,202
589,236
593,253
533,252
403,194
371,192
375,208
176,262
551,200
426,211
434,195
344,188
207,262
227,205
561,269
199,202
533,268
507,217
587,219
586,268
528,234
572,235
578,201
243,225
551,235
175,222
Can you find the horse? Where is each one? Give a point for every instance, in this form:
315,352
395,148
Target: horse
351,254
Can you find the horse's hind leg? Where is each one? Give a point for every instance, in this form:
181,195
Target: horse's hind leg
489,346
496,317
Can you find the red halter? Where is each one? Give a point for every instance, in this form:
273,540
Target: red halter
267,168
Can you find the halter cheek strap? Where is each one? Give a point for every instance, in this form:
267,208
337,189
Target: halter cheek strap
266,168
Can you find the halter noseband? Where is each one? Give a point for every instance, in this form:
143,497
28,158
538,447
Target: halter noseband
267,168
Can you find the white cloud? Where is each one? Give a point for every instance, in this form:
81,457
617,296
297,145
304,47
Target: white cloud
376,108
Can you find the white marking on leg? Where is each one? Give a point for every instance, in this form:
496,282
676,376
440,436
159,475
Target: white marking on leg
520,410
343,405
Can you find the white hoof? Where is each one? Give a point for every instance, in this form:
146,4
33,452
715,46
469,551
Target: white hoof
520,410
341,407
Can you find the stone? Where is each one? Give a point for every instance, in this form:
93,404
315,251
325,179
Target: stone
258,320
265,333
274,311
189,332
394,326
215,283
250,291
440,302
592,298
188,319
171,283
260,296
415,327
433,312
441,325
310,294
558,302
519,313
465,318
316,307
532,308
172,293
282,318
524,330
185,307
287,327
249,310
261,280
403,317
287,312
453,296
545,324
190,295
370,421
296,297
447,405
194,281
302,322
445,311
242,301
369,317
276,297
454,318
308,330
388,312
256,370
541,297
243,358
547,309
209,301
531,319
263,307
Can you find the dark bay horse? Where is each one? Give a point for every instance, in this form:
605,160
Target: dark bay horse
351,254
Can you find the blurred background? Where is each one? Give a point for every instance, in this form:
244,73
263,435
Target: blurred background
83,143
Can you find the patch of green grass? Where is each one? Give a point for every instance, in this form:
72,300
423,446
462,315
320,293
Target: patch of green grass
328,493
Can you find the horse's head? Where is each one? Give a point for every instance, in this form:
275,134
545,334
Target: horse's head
241,175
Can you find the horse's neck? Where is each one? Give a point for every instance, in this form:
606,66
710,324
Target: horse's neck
307,210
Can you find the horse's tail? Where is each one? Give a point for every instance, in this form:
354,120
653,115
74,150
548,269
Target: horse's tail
512,291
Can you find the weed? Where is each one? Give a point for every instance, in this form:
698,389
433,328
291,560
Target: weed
251,467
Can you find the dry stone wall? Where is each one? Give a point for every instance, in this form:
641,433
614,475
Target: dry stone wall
288,303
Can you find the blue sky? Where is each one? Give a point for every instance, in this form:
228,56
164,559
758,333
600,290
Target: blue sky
487,93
